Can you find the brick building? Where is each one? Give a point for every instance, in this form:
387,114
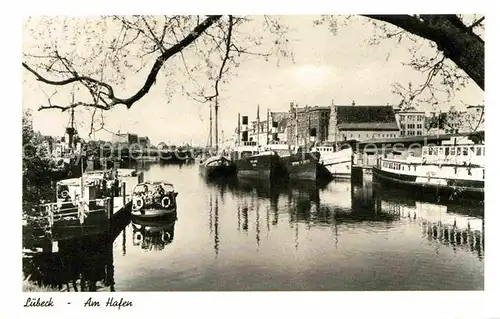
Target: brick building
308,124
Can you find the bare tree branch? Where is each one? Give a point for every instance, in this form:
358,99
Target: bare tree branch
150,80
476,23
224,61
64,108
452,37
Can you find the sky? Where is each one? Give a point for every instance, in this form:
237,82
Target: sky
327,68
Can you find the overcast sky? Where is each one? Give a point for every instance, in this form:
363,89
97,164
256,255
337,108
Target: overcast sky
327,67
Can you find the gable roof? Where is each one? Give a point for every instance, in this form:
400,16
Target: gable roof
366,117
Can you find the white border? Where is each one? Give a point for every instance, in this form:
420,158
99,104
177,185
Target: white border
180,305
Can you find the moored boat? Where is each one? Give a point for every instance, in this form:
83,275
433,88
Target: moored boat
297,164
265,165
154,200
448,170
217,166
250,162
337,161
302,166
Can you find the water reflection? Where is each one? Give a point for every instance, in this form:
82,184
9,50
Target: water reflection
79,265
246,235
450,224
345,203
153,235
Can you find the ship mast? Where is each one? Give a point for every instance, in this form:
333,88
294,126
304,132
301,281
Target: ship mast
210,134
267,128
239,130
216,124
258,126
296,127
70,130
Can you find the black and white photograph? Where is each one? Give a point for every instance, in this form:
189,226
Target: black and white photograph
259,152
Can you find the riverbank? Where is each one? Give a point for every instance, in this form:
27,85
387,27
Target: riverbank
30,286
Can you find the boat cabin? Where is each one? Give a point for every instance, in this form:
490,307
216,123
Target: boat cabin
469,154
279,147
154,195
245,149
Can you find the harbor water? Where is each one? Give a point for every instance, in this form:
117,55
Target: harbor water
242,235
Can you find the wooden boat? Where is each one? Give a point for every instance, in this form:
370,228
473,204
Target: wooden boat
217,166
154,200
448,170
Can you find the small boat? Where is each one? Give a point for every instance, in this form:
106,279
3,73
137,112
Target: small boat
455,170
217,166
154,200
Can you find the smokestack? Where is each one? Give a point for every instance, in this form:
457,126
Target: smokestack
239,129
244,134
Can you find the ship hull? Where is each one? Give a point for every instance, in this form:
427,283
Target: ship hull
260,167
340,170
217,171
302,166
448,187
339,164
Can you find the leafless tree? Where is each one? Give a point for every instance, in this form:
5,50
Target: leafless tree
457,42
96,56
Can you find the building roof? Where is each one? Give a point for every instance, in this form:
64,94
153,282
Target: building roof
366,117
310,109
